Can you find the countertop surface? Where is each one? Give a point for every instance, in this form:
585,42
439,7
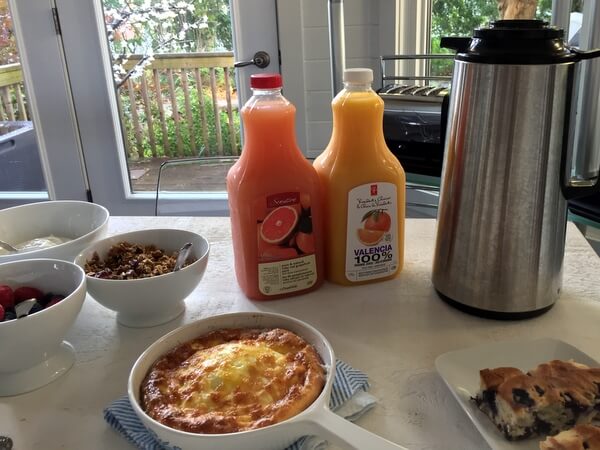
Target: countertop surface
392,330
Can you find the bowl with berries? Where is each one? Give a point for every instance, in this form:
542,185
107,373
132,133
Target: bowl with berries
39,301
135,274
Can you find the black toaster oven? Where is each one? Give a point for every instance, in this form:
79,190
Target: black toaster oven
414,126
415,113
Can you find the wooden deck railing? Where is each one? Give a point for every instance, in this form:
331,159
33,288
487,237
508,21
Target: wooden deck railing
12,100
183,105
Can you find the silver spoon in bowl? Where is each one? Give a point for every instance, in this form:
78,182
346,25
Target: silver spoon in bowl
6,246
182,256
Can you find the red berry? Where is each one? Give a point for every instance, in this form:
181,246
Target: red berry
54,300
7,298
1,313
26,292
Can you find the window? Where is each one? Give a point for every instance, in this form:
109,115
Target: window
21,173
461,17
173,68
74,100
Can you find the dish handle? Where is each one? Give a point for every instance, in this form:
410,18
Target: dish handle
344,433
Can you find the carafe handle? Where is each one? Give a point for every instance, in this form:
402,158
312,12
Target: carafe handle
585,54
576,141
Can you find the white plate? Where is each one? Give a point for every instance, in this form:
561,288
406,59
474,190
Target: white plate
460,370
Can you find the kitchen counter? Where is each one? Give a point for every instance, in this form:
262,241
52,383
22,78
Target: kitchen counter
392,330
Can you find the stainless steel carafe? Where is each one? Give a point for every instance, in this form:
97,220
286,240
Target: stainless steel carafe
507,173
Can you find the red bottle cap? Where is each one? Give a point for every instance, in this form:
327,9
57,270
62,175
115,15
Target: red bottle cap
266,81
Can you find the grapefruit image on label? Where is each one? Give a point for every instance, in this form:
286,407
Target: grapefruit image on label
273,252
305,242
278,225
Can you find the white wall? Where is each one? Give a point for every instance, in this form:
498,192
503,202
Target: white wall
305,63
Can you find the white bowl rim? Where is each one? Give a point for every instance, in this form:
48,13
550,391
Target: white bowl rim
95,244
318,402
81,283
72,241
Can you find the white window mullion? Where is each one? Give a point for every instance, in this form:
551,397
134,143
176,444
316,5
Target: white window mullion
49,99
93,96
413,19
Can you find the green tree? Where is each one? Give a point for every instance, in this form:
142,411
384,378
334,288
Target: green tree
146,27
461,17
169,25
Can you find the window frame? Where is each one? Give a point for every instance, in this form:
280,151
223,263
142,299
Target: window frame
50,106
73,100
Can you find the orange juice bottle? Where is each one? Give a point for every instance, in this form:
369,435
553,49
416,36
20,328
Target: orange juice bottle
274,201
364,189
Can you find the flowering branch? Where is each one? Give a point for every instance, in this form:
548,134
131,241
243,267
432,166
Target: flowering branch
145,29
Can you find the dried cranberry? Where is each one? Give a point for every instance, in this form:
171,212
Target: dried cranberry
7,297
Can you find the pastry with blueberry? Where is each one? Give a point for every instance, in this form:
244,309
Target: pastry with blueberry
553,397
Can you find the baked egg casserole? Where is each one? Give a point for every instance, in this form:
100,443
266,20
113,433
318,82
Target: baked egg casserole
233,380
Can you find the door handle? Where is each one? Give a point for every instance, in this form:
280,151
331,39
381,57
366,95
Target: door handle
260,59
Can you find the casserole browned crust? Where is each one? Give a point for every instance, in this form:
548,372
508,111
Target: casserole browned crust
233,380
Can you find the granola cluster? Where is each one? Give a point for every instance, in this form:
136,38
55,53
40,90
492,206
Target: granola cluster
126,261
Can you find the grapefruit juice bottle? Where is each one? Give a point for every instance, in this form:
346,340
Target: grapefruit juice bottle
364,189
274,201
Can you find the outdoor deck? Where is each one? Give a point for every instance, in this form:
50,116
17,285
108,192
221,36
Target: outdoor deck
190,177
178,106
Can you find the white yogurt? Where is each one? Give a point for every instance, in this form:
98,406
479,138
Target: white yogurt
37,244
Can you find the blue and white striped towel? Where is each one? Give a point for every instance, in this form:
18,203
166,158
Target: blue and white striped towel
349,399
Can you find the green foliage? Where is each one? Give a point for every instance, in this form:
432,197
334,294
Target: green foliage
192,140
461,17
148,27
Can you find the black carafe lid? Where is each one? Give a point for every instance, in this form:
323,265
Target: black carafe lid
513,42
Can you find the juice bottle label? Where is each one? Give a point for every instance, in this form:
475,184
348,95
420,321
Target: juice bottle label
286,244
371,239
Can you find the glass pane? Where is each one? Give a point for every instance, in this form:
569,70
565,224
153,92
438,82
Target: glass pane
20,166
460,18
173,72
575,22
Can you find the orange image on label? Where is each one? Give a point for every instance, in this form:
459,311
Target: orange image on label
375,224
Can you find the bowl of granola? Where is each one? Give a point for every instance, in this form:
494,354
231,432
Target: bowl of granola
132,274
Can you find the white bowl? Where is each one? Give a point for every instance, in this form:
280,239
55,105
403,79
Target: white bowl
317,419
82,222
273,437
147,302
32,349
